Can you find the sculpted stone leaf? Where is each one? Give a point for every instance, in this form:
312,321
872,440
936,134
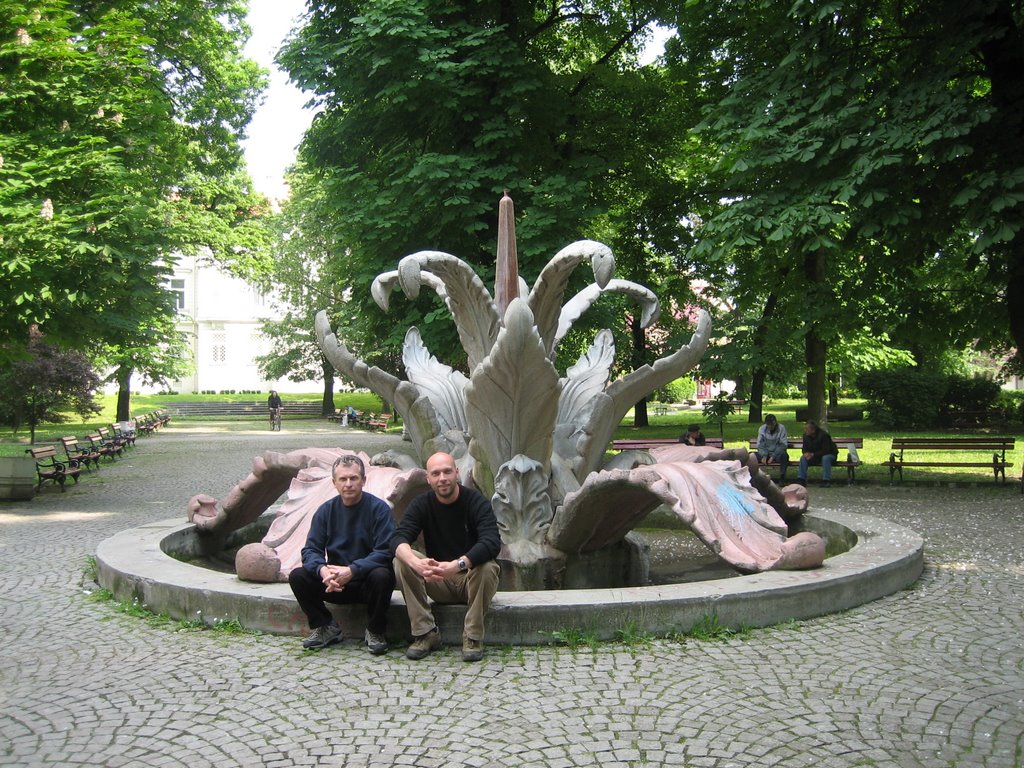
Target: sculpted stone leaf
420,420
713,498
587,378
385,283
521,502
472,308
582,301
442,385
546,297
509,399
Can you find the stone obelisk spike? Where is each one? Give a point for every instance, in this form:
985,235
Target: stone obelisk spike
506,276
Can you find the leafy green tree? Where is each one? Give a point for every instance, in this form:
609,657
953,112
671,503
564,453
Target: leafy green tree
430,109
119,145
300,280
45,385
80,147
870,141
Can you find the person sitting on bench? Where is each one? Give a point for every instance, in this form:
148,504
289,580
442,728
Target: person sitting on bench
818,448
772,442
693,436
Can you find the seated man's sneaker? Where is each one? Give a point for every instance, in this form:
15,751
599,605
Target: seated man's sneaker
323,637
376,644
472,650
424,645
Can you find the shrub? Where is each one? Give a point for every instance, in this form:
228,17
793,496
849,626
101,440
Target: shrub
901,398
1011,403
969,393
675,391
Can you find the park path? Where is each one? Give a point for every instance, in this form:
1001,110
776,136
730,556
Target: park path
932,676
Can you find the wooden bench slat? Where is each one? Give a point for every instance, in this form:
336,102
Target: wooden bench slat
640,444
79,453
952,463
49,467
997,445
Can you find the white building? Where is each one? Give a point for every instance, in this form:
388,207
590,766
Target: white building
221,317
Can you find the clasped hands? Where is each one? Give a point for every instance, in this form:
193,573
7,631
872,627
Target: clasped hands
335,577
433,570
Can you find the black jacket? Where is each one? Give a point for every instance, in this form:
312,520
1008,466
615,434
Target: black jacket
820,444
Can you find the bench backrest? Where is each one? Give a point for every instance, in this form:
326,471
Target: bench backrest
657,442
954,443
841,442
70,443
999,445
43,452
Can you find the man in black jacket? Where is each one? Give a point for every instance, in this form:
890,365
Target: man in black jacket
461,540
818,448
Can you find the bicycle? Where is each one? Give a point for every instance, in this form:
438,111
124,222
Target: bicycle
275,419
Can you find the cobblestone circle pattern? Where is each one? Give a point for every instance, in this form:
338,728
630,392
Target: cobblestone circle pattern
931,677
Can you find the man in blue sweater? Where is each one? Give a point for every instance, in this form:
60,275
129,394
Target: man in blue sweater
461,542
347,559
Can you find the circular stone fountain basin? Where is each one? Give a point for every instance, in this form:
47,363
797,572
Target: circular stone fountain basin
146,563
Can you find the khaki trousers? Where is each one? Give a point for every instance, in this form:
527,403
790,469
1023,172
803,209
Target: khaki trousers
474,589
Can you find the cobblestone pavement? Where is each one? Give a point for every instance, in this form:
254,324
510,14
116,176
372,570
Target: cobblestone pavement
932,676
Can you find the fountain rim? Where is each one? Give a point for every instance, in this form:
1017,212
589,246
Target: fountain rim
886,558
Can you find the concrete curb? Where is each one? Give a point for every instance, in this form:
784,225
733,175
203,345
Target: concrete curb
133,564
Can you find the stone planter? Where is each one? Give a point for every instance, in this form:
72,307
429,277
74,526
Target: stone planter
17,477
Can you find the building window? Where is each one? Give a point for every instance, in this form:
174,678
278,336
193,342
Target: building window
177,287
218,349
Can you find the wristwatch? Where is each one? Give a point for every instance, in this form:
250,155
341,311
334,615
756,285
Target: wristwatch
462,564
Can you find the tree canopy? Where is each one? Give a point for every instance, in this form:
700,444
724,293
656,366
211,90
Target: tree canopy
430,109
845,178
120,124
873,146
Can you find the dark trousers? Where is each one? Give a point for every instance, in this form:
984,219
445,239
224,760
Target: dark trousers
374,590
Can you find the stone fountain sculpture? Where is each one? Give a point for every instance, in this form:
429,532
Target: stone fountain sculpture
534,440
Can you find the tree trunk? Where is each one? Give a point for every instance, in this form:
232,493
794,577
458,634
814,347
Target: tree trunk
1015,297
327,404
124,393
31,422
815,351
756,411
740,390
1003,56
760,373
639,350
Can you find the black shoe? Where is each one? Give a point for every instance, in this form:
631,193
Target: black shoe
826,483
801,481
375,644
323,637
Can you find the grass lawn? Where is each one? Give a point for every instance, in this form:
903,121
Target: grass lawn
736,431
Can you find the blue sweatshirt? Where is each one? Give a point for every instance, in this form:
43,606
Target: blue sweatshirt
357,536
